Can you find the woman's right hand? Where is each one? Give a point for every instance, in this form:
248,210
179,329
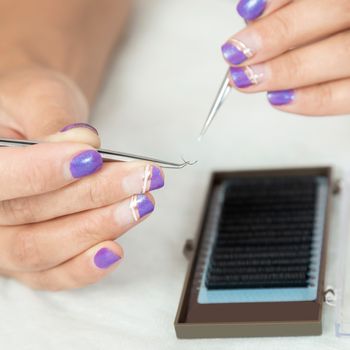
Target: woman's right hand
61,209
296,51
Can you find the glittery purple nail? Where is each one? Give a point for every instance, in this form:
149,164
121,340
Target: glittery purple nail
79,125
251,9
232,54
282,97
85,163
105,257
240,77
144,205
157,180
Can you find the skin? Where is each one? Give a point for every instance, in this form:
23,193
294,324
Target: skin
50,71
302,45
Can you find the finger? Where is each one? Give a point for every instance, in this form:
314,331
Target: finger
250,10
48,99
324,99
326,60
87,268
113,183
77,132
44,167
293,25
35,247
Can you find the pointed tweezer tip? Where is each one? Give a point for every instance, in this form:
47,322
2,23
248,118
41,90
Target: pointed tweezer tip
204,129
220,97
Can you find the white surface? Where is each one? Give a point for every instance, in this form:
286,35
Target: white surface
158,92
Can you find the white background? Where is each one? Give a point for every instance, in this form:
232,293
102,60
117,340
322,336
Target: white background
155,99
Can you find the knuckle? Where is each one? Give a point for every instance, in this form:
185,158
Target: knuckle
18,211
89,230
35,179
99,191
279,29
288,68
323,97
25,252
283,26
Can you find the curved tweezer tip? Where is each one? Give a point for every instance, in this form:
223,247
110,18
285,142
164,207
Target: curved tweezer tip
120,156
188,162
181,166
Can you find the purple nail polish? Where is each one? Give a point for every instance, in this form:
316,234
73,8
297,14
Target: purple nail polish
79,125
144,205
232,53
251,9
85,163
240,77
157,180
104,258
282,97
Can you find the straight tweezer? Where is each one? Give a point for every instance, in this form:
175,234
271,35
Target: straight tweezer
224,89
106,154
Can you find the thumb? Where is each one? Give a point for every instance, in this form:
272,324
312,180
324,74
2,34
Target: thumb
76,132
39,102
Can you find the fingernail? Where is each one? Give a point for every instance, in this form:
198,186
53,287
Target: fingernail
140,206
251,9
153,178
243,77
105,257
157,180
79,125
85,163
282,97
142,179
235,52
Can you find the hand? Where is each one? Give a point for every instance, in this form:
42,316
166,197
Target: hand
61,210
298,51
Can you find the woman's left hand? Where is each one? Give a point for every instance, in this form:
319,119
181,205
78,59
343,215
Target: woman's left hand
298,51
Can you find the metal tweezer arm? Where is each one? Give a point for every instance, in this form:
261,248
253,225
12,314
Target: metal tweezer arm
106,154
219,99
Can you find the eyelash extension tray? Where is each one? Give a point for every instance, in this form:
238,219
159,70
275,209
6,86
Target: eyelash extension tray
257,265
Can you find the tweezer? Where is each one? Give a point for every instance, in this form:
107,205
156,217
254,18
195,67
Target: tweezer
219,99
106,154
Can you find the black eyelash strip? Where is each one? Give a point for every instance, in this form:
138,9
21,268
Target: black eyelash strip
264,237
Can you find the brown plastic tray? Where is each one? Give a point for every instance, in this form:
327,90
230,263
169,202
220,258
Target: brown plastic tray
194,320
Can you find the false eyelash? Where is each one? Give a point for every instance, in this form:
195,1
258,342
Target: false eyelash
264,236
